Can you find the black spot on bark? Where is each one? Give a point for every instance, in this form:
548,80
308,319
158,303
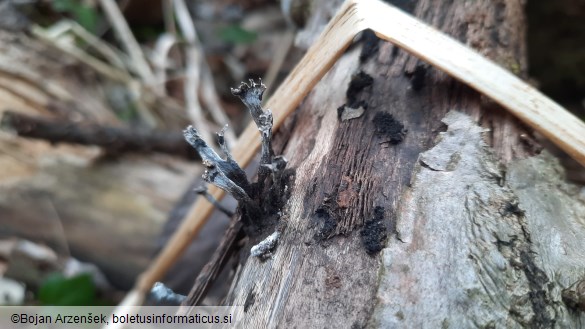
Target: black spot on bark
388,127
463,28
340,111
327,224
495,35
395,51
500,15
511,208
417,77
358,83
537,281
374,232
370,45
280,191
250,299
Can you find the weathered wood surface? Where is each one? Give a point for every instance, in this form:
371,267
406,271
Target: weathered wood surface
105,211
469,261
481,246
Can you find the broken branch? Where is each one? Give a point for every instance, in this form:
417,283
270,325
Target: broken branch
114,140
128,41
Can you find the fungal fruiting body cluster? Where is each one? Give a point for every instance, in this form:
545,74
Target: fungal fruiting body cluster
229,176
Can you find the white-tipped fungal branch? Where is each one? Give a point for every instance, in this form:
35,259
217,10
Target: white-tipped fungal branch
225,174
421,40
163,295
251,96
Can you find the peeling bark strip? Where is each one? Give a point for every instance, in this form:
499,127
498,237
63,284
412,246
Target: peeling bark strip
460,247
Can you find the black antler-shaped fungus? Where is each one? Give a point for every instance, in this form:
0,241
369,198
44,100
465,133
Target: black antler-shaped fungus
227,174
251,96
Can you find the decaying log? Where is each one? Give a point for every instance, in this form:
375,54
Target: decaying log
403,214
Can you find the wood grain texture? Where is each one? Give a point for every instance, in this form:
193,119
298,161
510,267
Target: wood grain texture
481,246
463,254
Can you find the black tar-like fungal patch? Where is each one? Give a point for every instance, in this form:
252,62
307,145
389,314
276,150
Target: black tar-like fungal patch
374,232
513,208
387,126
371,45
538,294
358,82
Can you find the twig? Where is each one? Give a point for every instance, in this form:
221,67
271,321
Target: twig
197,71
123,32
59,29
134,86
168,17
193,59
160,60
202,190
421,40
114,140
211,99
96,64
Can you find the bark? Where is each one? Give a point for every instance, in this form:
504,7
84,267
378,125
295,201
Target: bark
442,223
